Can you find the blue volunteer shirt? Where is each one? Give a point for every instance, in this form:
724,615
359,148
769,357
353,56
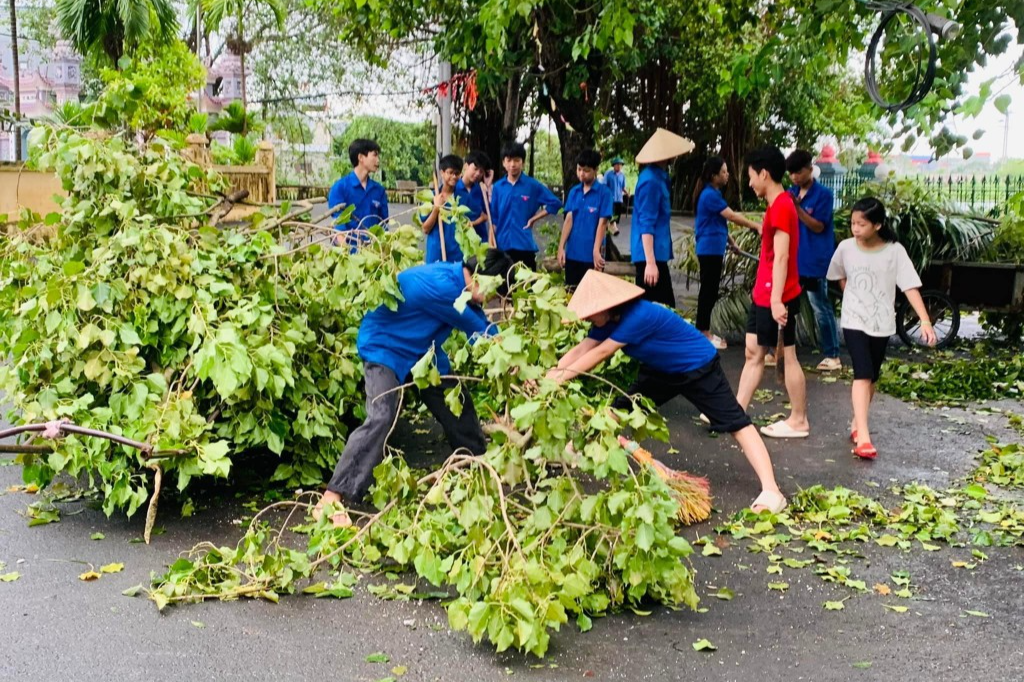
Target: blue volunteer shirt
474,199
616,182
652,214
711,232
816,248
587,209
371,202
657,337
398,339
433,245
512,205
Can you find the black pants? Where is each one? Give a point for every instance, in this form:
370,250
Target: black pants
662,291
364,449
710,280
529,258
707,388
574,271
867,353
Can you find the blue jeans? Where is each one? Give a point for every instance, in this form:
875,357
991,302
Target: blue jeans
824,314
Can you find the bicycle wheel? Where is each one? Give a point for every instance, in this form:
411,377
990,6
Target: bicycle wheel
944,314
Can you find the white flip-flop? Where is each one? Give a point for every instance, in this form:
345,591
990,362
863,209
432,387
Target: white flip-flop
771,501
781,429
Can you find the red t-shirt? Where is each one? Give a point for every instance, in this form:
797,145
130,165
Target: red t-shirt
780,216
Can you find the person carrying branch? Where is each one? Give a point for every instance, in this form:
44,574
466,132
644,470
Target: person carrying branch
675,359
469,190
441,218
587,211
390,343
869,266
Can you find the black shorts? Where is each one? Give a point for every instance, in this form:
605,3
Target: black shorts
528,258
574,271
707,388
662,291
867,353
761,322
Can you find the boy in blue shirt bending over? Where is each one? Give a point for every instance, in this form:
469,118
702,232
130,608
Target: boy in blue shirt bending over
359,190
441,212
587,211
517,203
390,342
675,359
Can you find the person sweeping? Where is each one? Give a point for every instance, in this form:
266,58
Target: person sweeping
675,359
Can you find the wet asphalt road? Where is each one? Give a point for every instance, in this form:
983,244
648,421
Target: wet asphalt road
56,627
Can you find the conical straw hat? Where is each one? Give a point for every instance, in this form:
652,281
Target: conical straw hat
598,292
662,146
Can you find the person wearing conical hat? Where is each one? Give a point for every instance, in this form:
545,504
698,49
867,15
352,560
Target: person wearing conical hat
651,237
675,359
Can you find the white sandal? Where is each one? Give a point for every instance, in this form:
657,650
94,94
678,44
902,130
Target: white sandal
771,501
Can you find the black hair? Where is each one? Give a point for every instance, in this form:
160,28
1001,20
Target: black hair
798,160
479,159
513,150
450,162
711,168
874,213
589,158
495,263
769,159
361,147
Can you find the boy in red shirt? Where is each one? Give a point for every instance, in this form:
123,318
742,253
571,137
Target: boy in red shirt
776,293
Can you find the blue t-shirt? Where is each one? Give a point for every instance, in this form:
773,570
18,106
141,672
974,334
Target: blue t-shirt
433,245
711,232
474,199
587,209
652,214
816,248
398,339
658,337
513,205
616,182
371,202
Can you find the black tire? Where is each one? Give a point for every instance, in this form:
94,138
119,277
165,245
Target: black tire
944,314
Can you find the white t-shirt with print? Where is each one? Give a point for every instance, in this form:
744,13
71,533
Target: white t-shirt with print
871,279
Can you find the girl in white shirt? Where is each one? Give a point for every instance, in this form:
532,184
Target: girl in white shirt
869,267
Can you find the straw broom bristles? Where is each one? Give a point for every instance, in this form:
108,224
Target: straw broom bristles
693,493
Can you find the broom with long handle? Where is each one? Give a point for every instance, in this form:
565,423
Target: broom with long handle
440,225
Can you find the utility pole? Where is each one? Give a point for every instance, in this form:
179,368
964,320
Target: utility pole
1006,134
17,83
444,103
199,42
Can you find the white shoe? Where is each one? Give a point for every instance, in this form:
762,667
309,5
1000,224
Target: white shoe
704,418
718,342
830,365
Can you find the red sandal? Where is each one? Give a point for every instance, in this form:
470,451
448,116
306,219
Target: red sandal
865,451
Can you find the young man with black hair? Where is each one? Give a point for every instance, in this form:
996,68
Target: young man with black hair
441,212
776,295
814,205
587,211
469,190
518,202
360,190
390,342
615,180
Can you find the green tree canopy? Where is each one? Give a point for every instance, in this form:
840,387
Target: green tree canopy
407,149
115,28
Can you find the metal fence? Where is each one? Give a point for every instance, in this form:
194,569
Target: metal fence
986,194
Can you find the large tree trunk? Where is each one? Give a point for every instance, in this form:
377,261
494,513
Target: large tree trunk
494,121
737,138
17,82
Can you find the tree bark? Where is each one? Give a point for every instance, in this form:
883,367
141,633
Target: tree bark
17,82
492,123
